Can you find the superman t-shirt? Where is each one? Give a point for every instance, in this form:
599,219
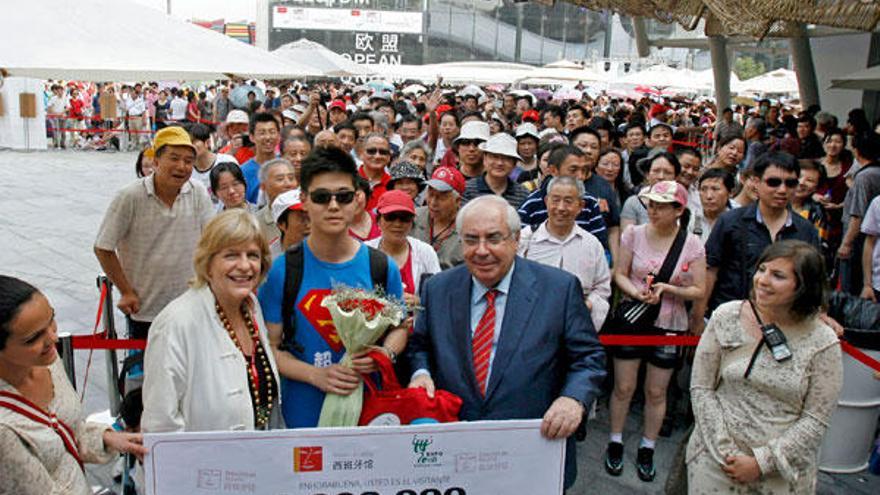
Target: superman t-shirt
314,328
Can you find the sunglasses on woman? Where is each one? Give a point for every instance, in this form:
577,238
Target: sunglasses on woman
775,182
323,196
398,216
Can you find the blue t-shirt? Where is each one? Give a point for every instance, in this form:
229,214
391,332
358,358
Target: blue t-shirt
301,401
251,171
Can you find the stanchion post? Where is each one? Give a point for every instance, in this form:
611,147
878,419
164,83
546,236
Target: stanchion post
112,365
65,350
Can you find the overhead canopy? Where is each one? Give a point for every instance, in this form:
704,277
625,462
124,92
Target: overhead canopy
97,40
864,79
758,18
318,55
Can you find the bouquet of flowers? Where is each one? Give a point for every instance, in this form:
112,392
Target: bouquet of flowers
361,317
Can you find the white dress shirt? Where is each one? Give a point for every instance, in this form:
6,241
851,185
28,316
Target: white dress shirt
580,254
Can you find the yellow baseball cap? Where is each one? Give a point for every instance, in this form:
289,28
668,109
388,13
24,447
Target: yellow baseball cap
174,136
149,152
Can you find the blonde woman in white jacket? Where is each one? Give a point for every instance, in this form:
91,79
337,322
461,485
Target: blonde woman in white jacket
208,365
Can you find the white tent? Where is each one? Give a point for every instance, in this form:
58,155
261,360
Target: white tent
457,72
779,81
864,79
662,76
707,78
562,72
99,40
318,55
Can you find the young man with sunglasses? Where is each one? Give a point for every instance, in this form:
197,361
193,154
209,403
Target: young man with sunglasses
308,359
741,234
376,156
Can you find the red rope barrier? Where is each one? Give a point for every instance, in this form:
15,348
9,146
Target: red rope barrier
99,341
859,356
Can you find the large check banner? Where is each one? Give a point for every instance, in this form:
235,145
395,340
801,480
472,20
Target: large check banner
479,458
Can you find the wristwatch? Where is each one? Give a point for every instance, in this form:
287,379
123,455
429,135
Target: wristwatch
391,355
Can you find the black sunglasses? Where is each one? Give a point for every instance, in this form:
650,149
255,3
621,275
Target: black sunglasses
469,142
398,216
378,151
323,196
776,182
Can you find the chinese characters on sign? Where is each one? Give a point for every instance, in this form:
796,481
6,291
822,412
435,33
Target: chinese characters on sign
376,48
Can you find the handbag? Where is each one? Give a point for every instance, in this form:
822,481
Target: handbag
394,405
632,316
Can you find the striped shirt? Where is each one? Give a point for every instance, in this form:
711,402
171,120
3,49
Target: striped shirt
515,193
533,212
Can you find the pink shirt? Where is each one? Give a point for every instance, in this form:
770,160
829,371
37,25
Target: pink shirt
673,314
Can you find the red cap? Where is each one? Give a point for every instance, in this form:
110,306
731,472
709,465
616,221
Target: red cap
656,109
447,179
337,104
531,116
440,111
395,200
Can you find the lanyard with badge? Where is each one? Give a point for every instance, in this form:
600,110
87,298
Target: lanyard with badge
773,337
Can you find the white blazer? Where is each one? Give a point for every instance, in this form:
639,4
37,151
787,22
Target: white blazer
195,378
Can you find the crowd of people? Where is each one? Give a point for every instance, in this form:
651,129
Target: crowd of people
516,230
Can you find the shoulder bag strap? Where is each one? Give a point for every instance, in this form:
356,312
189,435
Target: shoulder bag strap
18,404
378,268
672,256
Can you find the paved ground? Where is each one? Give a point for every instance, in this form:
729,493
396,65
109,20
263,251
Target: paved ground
52,204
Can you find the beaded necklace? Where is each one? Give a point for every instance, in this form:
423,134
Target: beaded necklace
261,396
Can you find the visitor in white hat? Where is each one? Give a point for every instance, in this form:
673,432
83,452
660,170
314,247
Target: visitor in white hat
467,145
499,159
527,139
292,222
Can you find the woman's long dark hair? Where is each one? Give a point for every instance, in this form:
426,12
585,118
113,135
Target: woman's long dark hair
14,293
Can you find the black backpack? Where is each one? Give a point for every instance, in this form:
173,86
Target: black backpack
293,275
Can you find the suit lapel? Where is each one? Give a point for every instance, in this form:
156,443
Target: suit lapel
460,323
517,311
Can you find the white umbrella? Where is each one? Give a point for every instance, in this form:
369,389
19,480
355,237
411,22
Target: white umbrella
707,79
414,89
325,59
564,64
120,40
779,81
662,76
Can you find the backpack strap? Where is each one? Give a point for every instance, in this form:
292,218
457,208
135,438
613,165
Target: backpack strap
378,268
294,265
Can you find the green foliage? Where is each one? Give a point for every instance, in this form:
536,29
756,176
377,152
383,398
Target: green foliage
747,68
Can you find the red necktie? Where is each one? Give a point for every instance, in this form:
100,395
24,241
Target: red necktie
482,341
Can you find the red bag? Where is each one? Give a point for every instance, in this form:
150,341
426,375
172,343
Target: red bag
394,405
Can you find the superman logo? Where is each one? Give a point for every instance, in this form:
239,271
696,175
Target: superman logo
319,317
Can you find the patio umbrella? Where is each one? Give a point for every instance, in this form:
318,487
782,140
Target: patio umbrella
239,95
779,81
324,59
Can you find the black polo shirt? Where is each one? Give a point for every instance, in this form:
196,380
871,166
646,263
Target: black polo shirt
737,241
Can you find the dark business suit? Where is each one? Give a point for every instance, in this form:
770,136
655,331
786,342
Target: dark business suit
547,346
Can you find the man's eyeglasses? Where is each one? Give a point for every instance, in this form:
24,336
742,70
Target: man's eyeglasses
775,182
493,240
323,196
378,151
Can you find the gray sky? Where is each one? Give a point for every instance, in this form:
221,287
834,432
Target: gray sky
231,10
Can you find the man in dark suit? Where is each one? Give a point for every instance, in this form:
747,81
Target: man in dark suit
511,337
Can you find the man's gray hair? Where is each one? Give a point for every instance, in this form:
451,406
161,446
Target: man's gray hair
567,181
268,166
479,204
380,120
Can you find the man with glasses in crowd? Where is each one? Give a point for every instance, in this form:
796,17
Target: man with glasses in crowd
308,361
377,156
741,234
